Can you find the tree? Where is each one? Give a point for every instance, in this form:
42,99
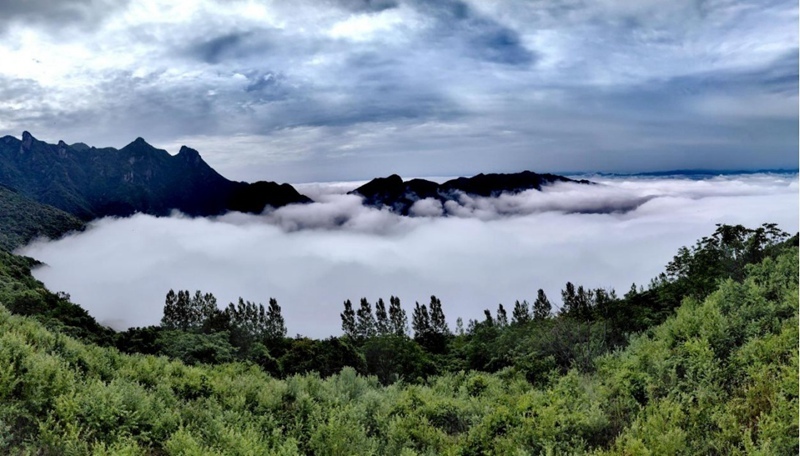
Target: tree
488,319
577,304
348,320
365,322
172,318
437,319
203,307
459,326
502,316
541,306
397,317
521,313
382,323
186,312
275,325
569,299
248,322
420,321
430,328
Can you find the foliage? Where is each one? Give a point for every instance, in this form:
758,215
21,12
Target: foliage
23,219
718,377
186,312
21,294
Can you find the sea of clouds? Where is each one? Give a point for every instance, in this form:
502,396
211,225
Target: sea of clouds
472,254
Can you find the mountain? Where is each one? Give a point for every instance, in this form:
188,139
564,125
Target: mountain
23,219
89,182
399,195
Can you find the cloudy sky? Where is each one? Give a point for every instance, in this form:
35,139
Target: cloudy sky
349,89
312,257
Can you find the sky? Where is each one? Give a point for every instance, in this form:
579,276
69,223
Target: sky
336,90
487,251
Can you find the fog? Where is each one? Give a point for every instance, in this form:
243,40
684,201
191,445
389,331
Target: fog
485,251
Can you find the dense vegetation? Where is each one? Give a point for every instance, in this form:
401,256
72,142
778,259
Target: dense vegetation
530,338
22,220
704,361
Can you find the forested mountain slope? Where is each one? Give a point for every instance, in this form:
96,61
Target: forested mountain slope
718,376
23,219
90,183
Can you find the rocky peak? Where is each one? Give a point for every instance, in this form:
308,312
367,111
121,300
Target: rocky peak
190,155
62,149
27,141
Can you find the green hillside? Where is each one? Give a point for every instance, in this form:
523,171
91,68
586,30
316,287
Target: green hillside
718,376
23,219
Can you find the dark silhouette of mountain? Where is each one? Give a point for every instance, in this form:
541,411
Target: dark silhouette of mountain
89,182
23,219
399,196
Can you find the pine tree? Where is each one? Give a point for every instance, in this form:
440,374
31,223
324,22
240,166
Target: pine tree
541,307
382,324
348,320
186,312
459,326
201,308
171,318
585,303
275,325
521,313
397,317
365,322
421,321
438,323
488,321
502,316
248,322
570,300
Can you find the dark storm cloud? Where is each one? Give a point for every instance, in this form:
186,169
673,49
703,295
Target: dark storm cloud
481,37
221,47
779,76
366,5
354,89
55,14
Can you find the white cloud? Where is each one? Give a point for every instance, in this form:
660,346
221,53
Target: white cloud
376,26
428,207
120,269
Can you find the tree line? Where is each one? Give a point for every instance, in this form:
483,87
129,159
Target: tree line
717,376
386,341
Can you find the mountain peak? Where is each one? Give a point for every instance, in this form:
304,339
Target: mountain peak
188,152
27,141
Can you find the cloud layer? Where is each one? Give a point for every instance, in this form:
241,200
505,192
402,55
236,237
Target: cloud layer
313,257
350,89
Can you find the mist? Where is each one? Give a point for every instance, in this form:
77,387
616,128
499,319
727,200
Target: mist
472,253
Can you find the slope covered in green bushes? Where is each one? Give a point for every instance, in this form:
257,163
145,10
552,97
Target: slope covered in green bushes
23,219
719,376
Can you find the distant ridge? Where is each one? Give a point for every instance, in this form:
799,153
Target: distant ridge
88,182
399,195
695,172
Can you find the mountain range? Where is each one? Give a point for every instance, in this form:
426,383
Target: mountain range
90,183
399,195
61,186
